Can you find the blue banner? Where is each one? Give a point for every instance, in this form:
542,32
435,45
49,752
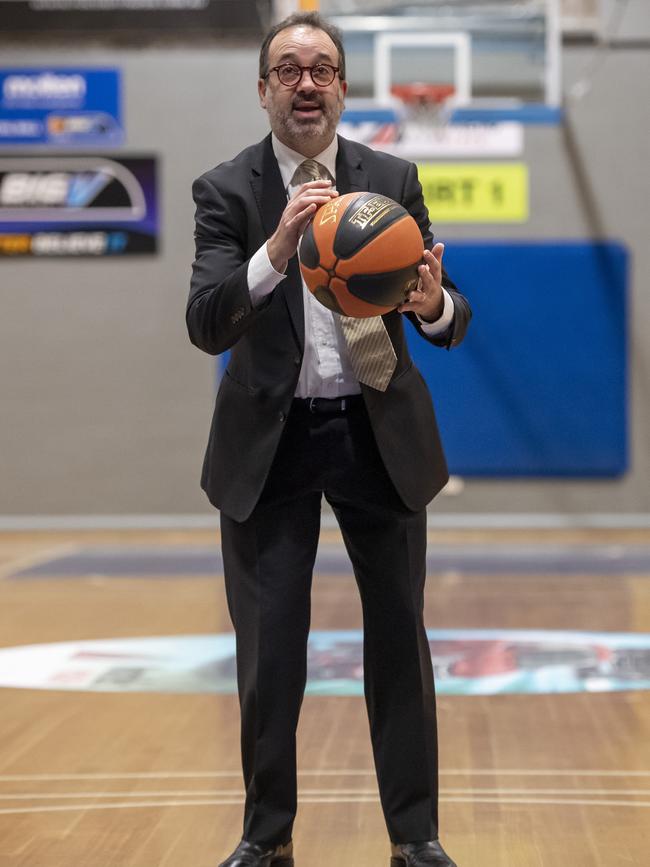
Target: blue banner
60,107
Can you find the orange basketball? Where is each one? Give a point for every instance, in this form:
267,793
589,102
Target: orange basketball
360,254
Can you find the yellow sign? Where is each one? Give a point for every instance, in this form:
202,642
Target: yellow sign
475,192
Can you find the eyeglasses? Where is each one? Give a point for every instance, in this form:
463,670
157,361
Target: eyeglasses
289,74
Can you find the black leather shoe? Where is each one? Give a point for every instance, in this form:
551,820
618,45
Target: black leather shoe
251,855
430,854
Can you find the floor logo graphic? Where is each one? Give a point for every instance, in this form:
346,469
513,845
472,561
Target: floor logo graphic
466,662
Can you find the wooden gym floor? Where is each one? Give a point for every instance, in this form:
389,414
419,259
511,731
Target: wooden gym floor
152,780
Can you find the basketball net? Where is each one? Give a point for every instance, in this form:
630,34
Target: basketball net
428,106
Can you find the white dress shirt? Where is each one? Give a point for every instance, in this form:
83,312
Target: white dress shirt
326,369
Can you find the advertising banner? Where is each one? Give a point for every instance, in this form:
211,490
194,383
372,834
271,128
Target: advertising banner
90,205
147,18
60,107
476,192
386,128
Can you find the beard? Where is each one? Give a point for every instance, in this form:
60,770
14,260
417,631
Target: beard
291,128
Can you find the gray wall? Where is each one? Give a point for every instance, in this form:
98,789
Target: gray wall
105,404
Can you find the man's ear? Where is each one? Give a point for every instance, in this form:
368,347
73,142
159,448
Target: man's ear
261,91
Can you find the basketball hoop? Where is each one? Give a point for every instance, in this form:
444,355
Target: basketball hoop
421,93
426,102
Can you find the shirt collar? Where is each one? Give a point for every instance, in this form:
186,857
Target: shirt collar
289,160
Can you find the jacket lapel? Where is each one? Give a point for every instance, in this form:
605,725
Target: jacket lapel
271,198
351,177
266,181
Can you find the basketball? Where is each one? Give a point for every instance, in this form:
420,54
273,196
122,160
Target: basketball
359,256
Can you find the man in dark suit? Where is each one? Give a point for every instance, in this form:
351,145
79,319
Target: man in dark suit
300,414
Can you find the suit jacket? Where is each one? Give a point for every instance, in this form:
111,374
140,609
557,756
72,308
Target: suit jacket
238,206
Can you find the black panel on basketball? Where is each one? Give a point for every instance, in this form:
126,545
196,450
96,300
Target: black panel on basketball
365,217
380,288
308,249
328,299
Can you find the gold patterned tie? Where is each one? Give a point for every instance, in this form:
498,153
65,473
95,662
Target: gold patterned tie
309,170
371,352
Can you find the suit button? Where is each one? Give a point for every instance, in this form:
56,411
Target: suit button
296,360
282,416
237,315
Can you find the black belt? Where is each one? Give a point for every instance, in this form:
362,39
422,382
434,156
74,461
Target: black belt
328,405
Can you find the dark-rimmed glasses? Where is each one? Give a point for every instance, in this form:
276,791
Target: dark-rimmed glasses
289,74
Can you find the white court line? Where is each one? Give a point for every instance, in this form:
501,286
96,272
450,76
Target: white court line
229,793
222,802
583,792
512,772
557,801
204,775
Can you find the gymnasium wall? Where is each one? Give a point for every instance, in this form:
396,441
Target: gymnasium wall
105,404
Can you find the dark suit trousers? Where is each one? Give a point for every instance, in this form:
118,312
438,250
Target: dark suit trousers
268,563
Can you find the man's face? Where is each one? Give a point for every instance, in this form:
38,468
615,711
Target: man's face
305,116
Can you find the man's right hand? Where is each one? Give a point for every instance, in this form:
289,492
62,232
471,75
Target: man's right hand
295,218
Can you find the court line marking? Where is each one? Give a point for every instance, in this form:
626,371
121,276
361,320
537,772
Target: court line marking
229,793
222,802
169,775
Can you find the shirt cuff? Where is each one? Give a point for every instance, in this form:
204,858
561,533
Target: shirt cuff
262,276
444,321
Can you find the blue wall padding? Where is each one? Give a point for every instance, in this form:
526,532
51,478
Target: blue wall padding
538,388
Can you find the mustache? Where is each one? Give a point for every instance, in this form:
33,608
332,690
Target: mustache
312,102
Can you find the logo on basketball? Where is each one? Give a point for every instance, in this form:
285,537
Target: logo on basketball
329,212
373,210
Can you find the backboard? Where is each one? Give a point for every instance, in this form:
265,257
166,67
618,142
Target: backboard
501,58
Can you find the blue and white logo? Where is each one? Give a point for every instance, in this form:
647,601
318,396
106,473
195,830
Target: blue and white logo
43,89
60,107
62,189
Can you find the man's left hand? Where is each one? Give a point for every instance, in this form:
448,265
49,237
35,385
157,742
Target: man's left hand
427,300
